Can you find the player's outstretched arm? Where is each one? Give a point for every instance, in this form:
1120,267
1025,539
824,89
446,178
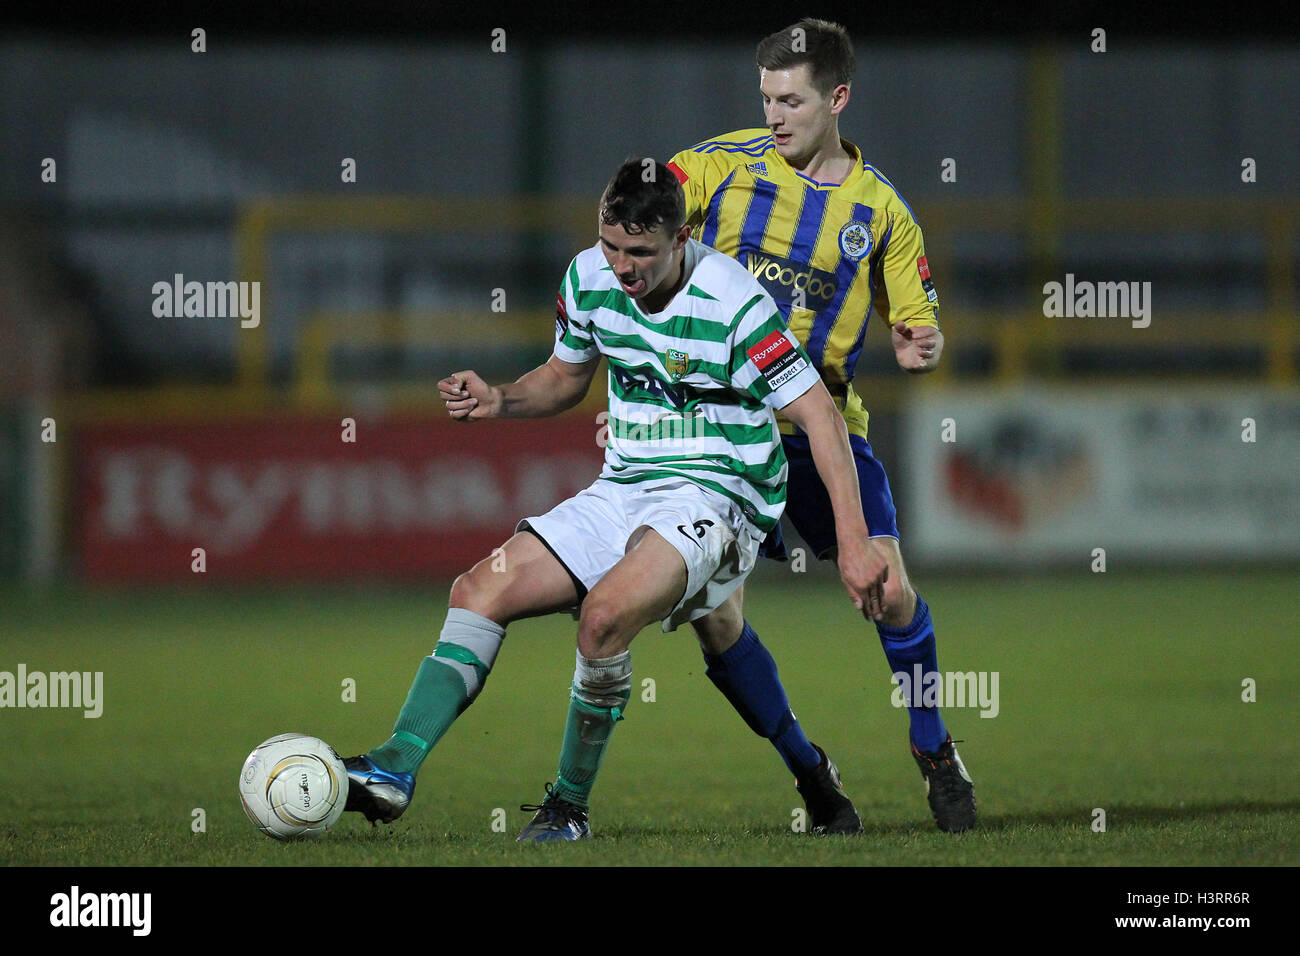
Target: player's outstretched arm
864,566
547,390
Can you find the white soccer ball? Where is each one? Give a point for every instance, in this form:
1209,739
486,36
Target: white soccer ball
293,786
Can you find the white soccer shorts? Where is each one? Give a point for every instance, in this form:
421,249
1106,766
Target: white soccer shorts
588,534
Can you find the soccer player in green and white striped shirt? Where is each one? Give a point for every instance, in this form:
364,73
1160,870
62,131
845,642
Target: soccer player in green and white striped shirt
699,356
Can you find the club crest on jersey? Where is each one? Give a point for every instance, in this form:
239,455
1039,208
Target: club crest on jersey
676,364
855,239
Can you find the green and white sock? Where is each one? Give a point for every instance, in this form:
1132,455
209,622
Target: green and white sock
445,685
601,689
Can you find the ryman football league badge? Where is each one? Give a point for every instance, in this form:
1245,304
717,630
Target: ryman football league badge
561,316
778,359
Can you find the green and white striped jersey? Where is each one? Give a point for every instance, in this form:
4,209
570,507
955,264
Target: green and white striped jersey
691,388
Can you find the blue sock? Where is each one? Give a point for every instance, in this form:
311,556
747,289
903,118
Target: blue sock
905,647
746,675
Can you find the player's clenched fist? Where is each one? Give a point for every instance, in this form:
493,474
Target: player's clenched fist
467,396
864,569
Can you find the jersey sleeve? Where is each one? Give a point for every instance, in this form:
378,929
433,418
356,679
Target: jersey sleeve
689,167
908,290
767,360
573,339
700,174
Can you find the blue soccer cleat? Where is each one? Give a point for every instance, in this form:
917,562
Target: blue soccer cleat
379,794
554,819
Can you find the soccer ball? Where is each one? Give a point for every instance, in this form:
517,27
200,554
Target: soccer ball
293,786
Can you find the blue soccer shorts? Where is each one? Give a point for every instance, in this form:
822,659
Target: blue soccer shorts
808,506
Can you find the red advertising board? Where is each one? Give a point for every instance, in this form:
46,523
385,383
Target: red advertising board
291,500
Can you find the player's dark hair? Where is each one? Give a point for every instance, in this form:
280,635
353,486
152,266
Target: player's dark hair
823,45
644,194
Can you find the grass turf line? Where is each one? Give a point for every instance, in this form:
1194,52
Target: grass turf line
1116,692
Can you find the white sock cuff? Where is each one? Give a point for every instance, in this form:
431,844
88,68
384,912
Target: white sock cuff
603,681
473,632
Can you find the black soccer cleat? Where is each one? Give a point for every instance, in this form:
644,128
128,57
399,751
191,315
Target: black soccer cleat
948,787
554,819
381,795
829,808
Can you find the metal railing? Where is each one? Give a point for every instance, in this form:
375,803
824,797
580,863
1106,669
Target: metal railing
1017,341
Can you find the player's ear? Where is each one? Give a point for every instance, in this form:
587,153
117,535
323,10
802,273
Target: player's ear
839,99
683,234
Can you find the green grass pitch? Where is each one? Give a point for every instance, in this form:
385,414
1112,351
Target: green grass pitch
1120,691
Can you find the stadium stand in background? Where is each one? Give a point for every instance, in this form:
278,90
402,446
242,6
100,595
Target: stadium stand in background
372,290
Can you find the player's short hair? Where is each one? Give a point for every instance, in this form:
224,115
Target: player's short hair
823,45
643,194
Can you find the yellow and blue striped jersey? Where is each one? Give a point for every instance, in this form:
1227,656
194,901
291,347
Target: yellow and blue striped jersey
828,254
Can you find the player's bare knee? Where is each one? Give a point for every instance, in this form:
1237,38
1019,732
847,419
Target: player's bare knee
899,603
719,630
600,630
469,593
708,636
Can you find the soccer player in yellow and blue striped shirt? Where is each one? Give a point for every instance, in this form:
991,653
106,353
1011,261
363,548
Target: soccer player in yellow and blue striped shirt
834,243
